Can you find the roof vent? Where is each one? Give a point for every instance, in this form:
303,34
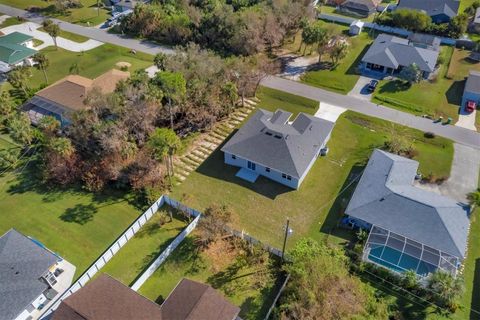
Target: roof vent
277,136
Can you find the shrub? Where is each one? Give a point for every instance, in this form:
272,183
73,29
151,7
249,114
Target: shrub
429,135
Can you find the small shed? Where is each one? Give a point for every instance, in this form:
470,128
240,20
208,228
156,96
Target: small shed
356,27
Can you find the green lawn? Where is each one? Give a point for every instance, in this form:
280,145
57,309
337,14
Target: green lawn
70,36
86,15
312,209
440,97
91,63
272,99
234,278
10,22
342,78
144,247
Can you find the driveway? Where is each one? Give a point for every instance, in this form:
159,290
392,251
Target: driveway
30,28
329,112
463,175
360,89
467,120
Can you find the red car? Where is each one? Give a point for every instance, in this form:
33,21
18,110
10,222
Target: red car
470,106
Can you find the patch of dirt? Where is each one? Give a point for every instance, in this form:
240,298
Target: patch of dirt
123,64
222,253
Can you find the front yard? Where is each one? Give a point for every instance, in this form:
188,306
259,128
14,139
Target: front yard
261,208
249,281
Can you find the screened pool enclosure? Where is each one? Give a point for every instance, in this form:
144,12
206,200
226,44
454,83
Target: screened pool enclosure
400,254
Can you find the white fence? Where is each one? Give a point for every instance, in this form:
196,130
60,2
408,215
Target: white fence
107,255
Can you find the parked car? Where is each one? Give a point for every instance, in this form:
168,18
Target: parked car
372,85
470,106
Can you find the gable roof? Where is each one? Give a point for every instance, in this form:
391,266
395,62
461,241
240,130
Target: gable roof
267,139
191,300
22,264
106,298
71,91
386,197
473,82
392,52
15,38
432,7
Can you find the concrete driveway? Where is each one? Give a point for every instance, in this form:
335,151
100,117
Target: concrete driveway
329,112
467,120
360,89
463,175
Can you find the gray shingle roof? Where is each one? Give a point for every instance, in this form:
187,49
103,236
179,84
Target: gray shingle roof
473,82
268,140
386,197
392,52
22,263
432,7
362,5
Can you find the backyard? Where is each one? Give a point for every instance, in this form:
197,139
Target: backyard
248,280
313,209
439,97
86,15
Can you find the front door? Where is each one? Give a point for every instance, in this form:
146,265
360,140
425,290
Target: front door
251,165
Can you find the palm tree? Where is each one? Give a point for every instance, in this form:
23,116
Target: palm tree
164,143
52,29
447,287
474,198
62,146
42,63
174,88
18,78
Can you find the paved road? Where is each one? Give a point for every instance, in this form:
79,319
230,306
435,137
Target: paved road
457,134
93,33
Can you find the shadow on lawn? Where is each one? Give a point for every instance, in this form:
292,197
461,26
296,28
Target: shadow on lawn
475,305
394,86
454,92
80,213
215,167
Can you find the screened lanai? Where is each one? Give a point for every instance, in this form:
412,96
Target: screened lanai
400,254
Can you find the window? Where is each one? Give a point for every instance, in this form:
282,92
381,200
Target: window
284,176
289,178
234,156
277,136
268,133
267,169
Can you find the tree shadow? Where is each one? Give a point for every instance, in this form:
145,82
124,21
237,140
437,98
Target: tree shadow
475,304
394,86
215,167
80,213
336,212
455,91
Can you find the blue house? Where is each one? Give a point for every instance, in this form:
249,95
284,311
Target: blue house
409,228
471,93
441,11
271,146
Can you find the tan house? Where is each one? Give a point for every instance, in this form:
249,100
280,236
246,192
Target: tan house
67,95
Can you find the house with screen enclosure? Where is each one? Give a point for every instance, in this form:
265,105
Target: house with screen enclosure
409,228
271,146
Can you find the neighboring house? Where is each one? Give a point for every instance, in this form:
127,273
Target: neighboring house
426,41
106,298
389,54
355,27
30,276
471,92
16,49
440,11
410,228
66,96
361,8
268,145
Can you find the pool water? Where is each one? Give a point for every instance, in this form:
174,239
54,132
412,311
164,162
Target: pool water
398,261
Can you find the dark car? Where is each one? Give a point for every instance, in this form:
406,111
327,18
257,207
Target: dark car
372,85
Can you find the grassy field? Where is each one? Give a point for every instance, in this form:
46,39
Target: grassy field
70,36
90,63
343,77
273,99
11,21
441,97
144,247
313,209
86,15
223,269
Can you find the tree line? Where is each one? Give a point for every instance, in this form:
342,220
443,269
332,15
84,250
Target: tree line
240,27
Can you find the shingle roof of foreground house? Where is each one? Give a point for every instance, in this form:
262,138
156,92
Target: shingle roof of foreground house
11,49
195,301
269,139
473,82
392,52
22,264
432,7
386,197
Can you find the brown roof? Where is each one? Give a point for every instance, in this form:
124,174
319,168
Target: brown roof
191,300
106,298
72,90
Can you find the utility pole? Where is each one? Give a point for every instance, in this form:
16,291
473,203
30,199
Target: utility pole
287,232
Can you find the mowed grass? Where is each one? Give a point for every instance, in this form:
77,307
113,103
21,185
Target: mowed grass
86,15
441,97
11,21
345,75
69,35
144,247
271,99
261,208
90,63
232,277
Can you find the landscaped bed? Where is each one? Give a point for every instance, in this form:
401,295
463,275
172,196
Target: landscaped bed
249,280
145,246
